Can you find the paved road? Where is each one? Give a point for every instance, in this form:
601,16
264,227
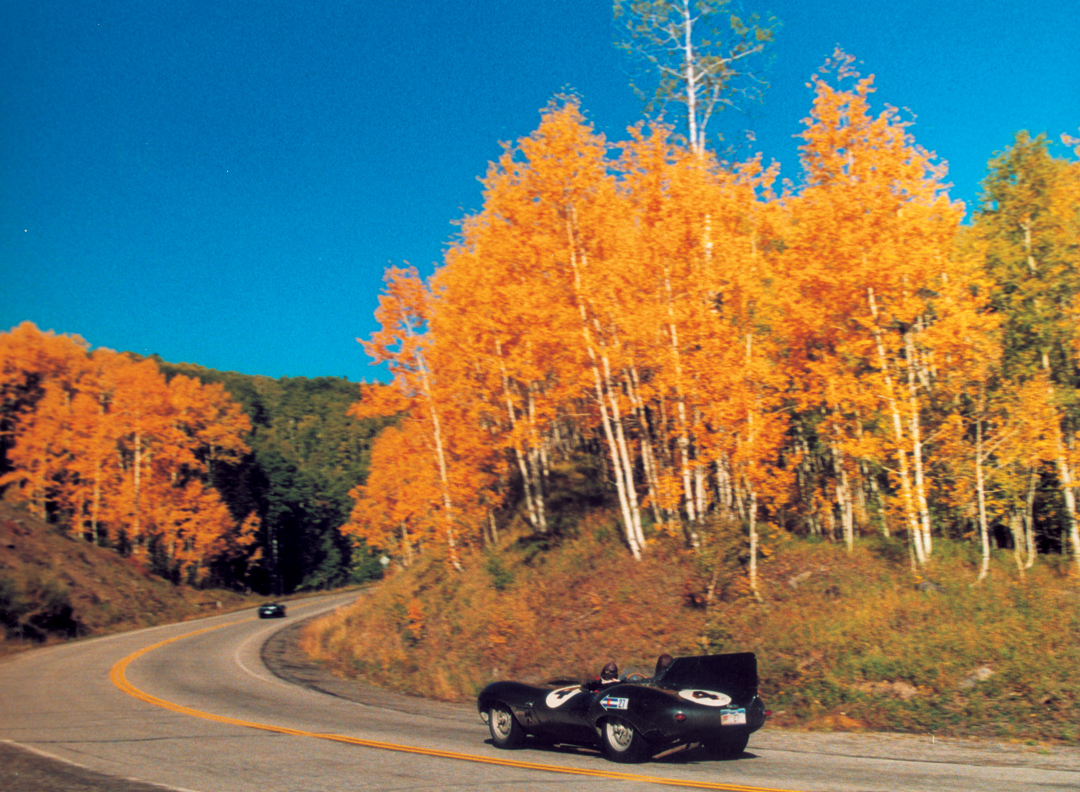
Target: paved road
205,713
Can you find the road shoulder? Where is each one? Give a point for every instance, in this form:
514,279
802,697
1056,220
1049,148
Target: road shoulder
285,659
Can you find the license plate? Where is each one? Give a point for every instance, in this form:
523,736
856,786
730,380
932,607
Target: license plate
732,717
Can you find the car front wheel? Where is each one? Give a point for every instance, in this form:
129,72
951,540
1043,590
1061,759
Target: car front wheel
506,732
622,742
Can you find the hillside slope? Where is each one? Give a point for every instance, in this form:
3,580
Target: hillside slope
53,587
844,640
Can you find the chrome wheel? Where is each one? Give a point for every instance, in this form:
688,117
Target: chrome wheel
502,724
623,743
620,735
506,732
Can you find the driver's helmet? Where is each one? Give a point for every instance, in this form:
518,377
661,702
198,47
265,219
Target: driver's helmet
610,672
662,663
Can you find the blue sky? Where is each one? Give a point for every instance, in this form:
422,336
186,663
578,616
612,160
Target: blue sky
223,183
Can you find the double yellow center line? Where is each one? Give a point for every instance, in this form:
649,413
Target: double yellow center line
118,675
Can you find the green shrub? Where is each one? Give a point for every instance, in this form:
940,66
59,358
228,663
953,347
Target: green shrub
501,577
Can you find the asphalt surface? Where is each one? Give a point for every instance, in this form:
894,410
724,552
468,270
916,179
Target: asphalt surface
65,726
24,770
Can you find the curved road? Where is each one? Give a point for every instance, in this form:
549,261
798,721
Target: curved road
193,707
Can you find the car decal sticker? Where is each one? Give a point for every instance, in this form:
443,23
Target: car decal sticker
710,698
557,698
611,702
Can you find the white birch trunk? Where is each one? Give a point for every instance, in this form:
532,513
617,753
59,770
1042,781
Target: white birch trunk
916,447
652,481
752,522
697,137
136,527
616,467
752,515
725,490
539,464
1029,519
692,514
880,502
980,490
440,458
1068,490
910,512
444,478
648,456
530,483
1067,484
843,498
624,454
406,545
609,432
700,493
1016,528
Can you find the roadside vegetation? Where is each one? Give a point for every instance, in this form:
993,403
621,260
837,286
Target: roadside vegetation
845,640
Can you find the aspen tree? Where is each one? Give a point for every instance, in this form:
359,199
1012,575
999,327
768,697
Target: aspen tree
504,307
1035,420
555,201
140,417
704,55
655,246
966,347
487,343
393,508
39,376
1029,222
876,228
403,314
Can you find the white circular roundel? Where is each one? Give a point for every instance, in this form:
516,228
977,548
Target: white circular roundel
710,698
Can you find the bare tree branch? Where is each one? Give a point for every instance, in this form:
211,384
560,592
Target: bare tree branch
702,52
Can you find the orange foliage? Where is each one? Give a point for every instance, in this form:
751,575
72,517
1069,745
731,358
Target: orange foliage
102,443
621,297
670,311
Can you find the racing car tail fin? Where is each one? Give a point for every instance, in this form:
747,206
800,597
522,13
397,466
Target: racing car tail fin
733,674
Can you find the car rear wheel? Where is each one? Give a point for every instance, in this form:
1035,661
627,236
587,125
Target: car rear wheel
622,742
506,732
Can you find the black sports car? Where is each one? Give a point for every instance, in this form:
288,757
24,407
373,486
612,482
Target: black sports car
272,610
710,699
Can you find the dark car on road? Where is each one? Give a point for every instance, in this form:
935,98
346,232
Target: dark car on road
272,610
709,700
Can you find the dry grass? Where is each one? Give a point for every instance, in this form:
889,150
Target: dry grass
843,641
859,641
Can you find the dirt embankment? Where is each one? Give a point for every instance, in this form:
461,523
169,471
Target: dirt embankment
55,587
844,640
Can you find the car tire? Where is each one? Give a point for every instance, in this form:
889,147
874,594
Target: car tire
730,745
622,742
506,732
